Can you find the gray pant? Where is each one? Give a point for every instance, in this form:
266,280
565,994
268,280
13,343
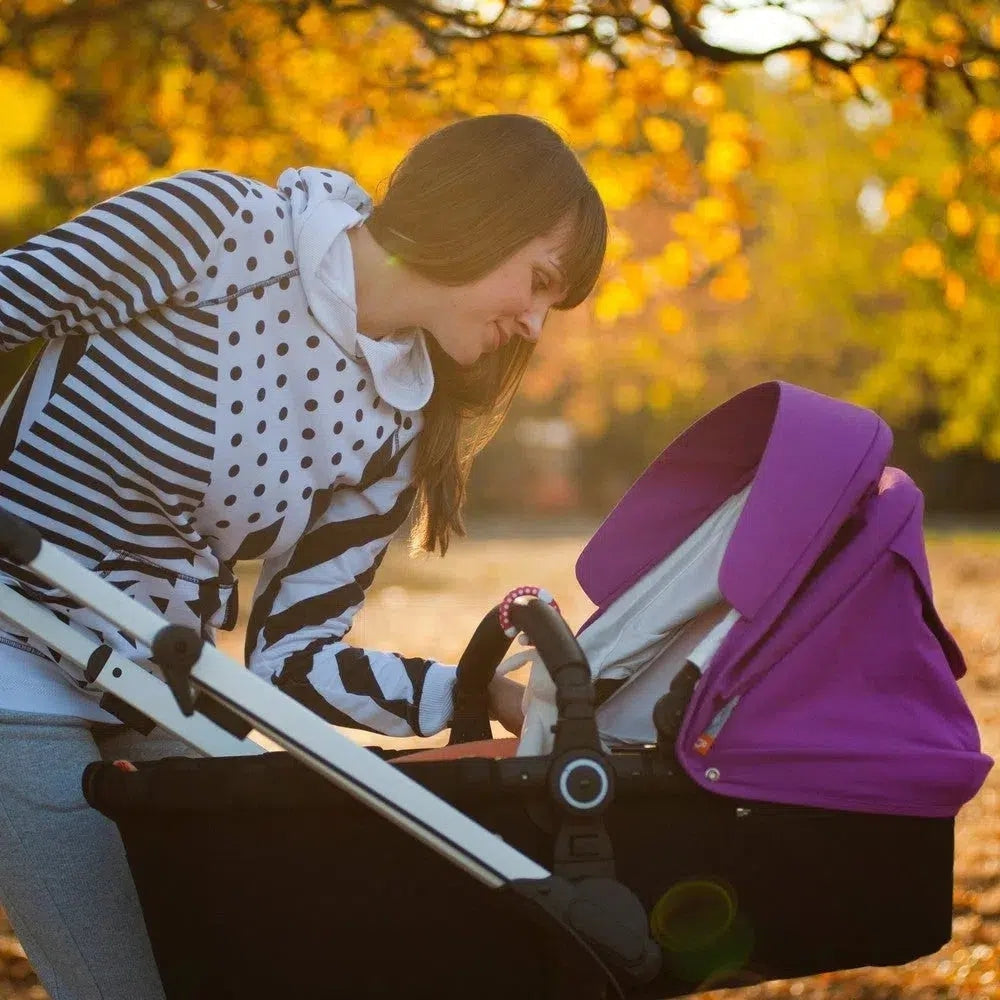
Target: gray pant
64,878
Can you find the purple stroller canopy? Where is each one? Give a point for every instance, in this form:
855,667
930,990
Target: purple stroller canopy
838,685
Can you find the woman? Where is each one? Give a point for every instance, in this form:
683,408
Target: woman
235,371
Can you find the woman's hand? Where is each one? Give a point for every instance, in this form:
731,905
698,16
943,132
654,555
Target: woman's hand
506,696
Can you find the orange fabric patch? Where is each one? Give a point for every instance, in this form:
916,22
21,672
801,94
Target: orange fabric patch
478,748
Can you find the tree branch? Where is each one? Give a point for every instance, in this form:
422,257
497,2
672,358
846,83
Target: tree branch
440,23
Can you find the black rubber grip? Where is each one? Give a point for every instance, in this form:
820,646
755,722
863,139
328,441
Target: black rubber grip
470,719
19,541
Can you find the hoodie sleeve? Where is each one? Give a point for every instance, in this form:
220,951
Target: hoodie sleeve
124,257
305,603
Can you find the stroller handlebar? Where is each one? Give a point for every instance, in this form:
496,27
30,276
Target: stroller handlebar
557,648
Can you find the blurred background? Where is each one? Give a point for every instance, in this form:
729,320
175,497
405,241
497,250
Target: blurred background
798,189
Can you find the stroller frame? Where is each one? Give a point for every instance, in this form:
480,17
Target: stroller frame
211,703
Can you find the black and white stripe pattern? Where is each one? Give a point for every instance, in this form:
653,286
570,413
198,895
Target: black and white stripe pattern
131,443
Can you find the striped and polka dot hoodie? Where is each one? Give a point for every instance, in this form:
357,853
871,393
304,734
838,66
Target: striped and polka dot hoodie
203,397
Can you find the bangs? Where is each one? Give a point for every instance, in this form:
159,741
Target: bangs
582,256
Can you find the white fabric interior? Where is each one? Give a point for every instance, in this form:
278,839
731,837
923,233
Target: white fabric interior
674,613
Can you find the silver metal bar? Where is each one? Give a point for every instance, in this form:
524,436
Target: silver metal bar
304,734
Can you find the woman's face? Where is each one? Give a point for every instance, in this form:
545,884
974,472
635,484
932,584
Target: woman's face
511,301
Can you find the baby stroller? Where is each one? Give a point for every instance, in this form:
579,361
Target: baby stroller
765,790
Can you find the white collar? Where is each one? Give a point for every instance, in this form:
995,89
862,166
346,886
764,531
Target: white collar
400,364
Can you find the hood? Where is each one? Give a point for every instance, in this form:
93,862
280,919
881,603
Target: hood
325,204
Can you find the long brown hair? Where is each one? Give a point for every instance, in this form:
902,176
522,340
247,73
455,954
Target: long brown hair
461,202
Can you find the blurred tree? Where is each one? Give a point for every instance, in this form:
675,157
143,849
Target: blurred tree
101,95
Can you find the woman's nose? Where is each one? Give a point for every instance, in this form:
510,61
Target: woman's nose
529,323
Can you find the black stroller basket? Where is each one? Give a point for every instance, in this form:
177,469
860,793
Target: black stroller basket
259,878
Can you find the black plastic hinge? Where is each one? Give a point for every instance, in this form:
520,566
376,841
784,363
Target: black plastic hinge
132,717
19,541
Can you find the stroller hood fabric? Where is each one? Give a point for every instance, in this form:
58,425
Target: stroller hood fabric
837,687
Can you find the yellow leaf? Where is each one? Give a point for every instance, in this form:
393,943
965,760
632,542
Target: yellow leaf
608,129
948,181
615,299
676,82
674,264
664,136
732,283
983,126
714,211
619,180
924,259
959,218
900,196
26,106
948,28
633,273
864,75
913,77
686,224
729,125
983,69
724,160
723,244
954,290
671,319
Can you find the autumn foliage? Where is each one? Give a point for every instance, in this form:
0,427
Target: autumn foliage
100,96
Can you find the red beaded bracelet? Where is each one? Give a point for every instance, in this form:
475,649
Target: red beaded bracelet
510,630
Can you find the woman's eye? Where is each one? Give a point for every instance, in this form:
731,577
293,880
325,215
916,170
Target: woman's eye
539,281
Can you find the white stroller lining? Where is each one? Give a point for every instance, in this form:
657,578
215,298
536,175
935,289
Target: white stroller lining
674,613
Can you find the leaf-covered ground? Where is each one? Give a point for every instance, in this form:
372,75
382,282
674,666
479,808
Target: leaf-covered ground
431,607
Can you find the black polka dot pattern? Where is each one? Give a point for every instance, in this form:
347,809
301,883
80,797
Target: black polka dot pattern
299,415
